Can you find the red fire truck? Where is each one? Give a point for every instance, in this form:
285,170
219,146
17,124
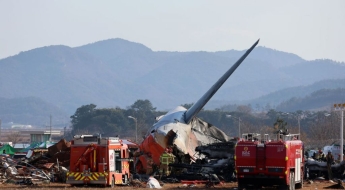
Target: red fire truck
264,162
100,160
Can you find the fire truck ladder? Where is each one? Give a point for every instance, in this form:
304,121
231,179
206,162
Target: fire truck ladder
90,148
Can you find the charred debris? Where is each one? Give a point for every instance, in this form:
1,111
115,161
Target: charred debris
213,159
51,165
38,166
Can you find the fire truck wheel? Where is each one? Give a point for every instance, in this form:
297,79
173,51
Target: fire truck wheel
292,180
112,182
300,185
240,185
126,179
291,185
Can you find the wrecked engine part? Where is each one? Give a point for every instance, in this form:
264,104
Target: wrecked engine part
218,150
181,138
215,158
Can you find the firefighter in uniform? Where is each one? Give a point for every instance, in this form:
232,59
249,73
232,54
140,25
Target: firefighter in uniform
322,156
165,159
330,160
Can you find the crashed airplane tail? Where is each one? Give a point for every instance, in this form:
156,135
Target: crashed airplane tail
192,111
182,131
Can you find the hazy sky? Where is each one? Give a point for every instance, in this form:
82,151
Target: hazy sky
311,29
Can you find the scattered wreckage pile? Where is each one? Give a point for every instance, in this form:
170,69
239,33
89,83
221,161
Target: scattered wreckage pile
318,168
39,165
215,162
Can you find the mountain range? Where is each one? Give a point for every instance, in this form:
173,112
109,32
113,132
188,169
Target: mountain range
117,72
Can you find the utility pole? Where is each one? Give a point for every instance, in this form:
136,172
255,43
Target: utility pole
341,108
299,126
239,127
0,131
136,128
239,124
50,137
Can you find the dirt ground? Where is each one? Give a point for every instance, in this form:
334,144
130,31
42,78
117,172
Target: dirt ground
316,184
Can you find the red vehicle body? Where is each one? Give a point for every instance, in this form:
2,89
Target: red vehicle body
100,160
269,162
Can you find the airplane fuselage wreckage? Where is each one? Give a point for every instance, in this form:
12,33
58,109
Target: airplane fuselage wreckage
181,131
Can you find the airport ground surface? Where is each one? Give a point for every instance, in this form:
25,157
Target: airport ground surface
316,184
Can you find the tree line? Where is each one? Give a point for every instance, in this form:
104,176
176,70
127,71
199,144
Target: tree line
318,128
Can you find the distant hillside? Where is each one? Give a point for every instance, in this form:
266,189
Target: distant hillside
276,58
320,99
31,111
275,98
308,71
280,96
118,72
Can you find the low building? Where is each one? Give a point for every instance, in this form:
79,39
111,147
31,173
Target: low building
41,136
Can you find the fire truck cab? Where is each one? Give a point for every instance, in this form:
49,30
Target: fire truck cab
265,162
96,160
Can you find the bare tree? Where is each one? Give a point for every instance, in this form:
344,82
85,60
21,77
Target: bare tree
244,109
248,128
323,131
14,137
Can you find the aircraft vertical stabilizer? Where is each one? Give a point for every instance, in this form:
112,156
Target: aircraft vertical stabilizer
194,110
